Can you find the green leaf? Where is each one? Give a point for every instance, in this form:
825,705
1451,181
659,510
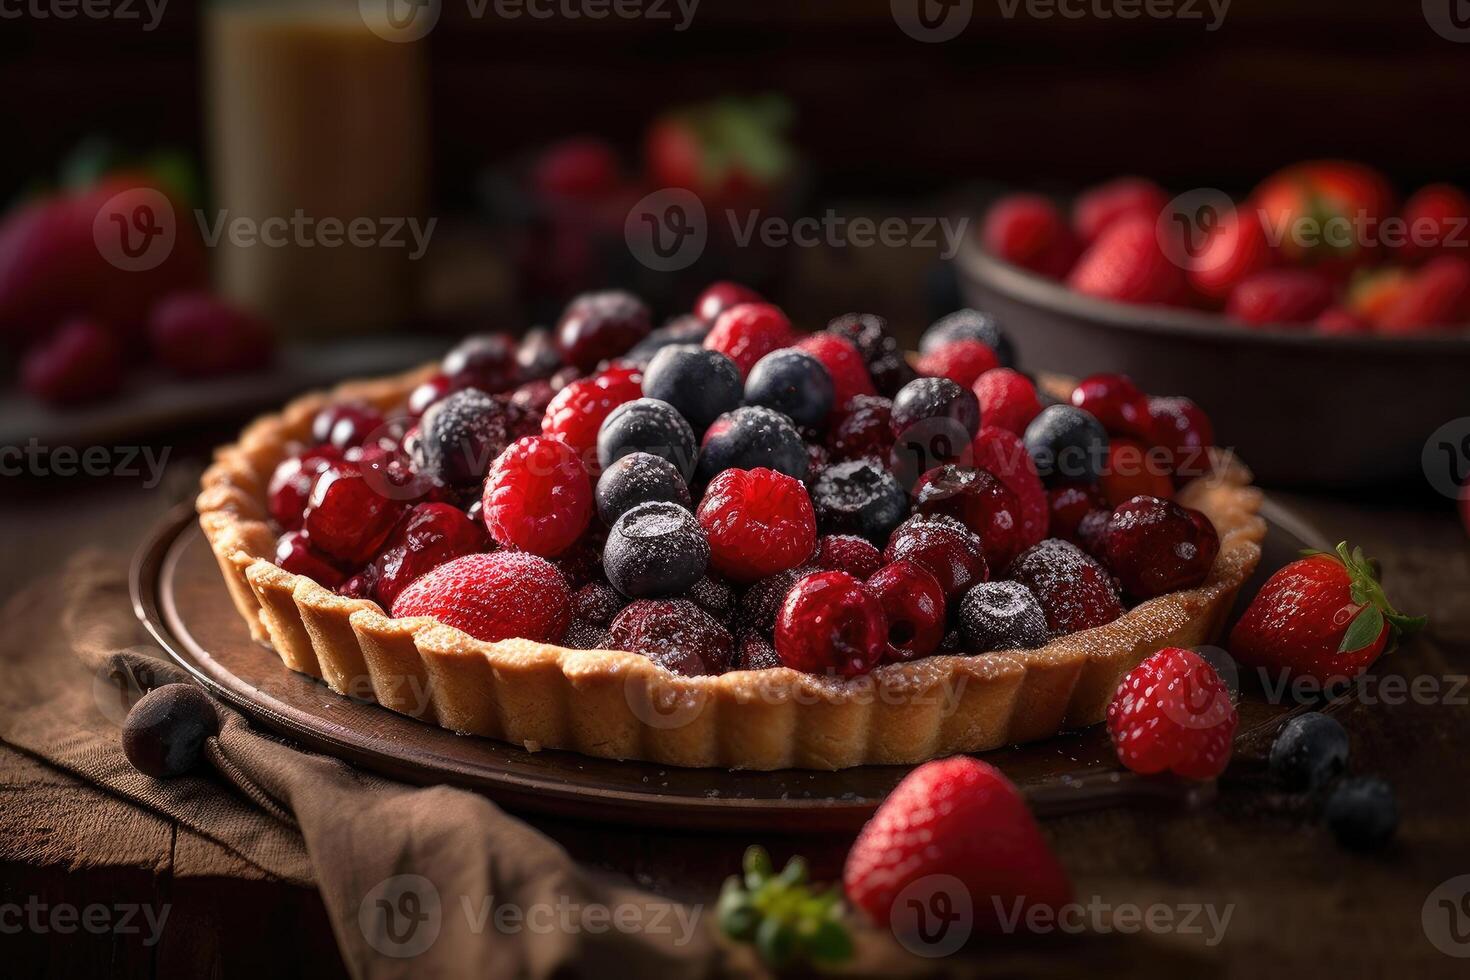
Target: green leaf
776,942
795,871
738,917
757,865
1363,630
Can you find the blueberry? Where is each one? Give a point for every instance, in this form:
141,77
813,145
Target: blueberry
165,732
636,479
537,356
1002,616
1362,813
682,330
752,437
1068,445
933,422
793,383
460,436
655,549
859,497
647,425
1310,752
970,325
701,384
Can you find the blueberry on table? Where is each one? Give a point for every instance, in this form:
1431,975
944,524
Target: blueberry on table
1362,813
1310,751
164,734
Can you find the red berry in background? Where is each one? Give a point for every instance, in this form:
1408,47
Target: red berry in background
1280,297
748,332
576,413
598,326
843,362
428,392
81,362
1008,399
579,169
537,497
676,634
1127,264
290,484
981,502
1116,402
1341,322
1372,292
493,597
721,296
345,424
428,536
1099,209
1436,218
1437,296
950,551
1183,429
865,429
1001,452
1069,505
1156,546
848,553
1028,230
1134,468
1235,247
1465,507
961,818
759,522
346,517
1074,590
1173,713
294,554
1314,211
199,335
961,361
484,361
913,603
831,624
1323,617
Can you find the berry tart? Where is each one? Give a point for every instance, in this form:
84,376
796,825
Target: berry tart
720,543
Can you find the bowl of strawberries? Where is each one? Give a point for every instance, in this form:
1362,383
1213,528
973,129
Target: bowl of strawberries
1318,298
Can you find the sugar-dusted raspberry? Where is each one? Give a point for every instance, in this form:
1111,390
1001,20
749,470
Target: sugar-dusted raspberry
428,536
1002,453
597,603
762,601
575,415
950,551
914,604
863,429
346,516
676,634
759,522
493,597
1156,546
843,362
754,652
848,553
1074,590
1008,399
981,501
748,332
961,361
1173,713
295,554
537,497
831,624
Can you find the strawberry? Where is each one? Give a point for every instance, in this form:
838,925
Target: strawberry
1027,230
958,818
1324,616
728,152
1341,321
1324,213
1438,295
1371,293
1096,210
1234,249
1436,218
1127,264
1173,713
578,169
1280,296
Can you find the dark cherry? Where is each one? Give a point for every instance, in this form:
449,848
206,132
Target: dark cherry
1067,505
848,553
484,361
720,296
1092,533
762,601
295,555
598,326
753,651
597,603
165,732
290,484
345,517
1156,546
359,586
952,552
537,356
983,503
344,424
715,596
1116,402
863,430
428,536
582,635
831,624
675,634
913,601
1183,429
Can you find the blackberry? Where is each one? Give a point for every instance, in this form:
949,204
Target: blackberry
859,497
655,549
702,384
714,596
1002,616
638,478
647,425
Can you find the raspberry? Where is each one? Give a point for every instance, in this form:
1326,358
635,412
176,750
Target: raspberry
945,547
864,430
675,634
576,413
1156,546
1115,401
346,517
914,605
1007,399
1173,713
848,553
979,500
537,497
831,624
295,555
759,522
598,326
536,355
748,332
1002,453
961,361
493,597
843,362
1074,590
428,536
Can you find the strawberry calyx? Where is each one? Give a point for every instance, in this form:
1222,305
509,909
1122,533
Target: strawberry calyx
1367,592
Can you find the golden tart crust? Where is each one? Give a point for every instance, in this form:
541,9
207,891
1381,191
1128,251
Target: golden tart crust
620,705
